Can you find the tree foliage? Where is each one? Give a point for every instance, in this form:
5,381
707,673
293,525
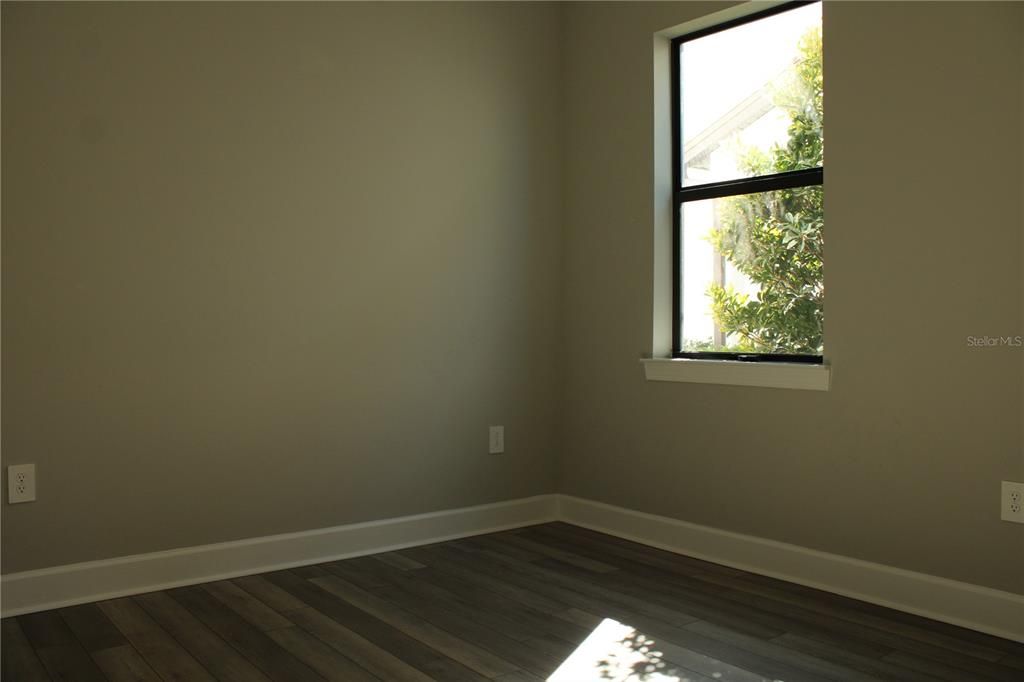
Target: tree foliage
775,238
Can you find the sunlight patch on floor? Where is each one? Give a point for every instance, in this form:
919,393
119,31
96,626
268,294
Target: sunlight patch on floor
614,651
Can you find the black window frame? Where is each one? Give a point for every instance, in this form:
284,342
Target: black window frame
713,190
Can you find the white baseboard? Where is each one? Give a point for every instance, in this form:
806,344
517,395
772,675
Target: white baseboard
60,586
978,608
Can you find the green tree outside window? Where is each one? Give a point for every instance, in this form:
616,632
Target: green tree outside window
775,238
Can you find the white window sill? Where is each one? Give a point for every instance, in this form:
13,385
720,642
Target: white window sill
737,373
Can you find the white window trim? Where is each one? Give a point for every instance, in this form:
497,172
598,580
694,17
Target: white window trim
659,367
795,375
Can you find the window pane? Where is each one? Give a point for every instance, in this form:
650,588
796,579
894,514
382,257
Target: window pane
752,98
752,273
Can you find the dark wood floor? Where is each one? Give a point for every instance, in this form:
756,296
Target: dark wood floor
511,606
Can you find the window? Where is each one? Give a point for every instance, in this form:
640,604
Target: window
748,180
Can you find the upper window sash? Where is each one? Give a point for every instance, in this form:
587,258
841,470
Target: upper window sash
715,94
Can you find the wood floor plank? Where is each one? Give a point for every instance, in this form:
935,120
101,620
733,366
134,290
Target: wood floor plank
521,553
482,630
852,634
398,561
92,627
594,592
470,655
528,622
614,651
250,641
943,671
983,639
740,586
830,628
1013,660
374,577
370,573
612,546
582,618
708,603
623,613
837,654
520,676
18,661
682,660
677,596
487,581
661,559
328,662
362,651
124,664
566,597
109,648
769,649
679,642
709,666
372,628
70,663
429,591
822,626
641,618
207,647
459,623
158,648
250,608
313,571
46,629
510,606
535,622
636,657
749,614
523,542
840,604
269,593
60,652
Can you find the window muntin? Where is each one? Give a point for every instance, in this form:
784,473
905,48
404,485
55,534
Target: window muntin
747,123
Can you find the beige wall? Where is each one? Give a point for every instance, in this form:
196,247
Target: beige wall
900,462
274,267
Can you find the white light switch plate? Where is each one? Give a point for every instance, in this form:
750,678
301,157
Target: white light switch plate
497,442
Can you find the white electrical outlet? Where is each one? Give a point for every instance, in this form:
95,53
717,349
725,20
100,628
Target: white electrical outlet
497,443
21,483
1013,502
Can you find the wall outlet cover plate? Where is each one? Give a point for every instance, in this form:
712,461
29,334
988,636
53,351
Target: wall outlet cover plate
21,483
1012,507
